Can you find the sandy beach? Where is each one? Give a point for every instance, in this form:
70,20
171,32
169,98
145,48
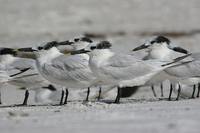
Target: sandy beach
126,24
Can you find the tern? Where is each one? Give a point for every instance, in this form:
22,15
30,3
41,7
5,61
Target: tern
71,47
20,72
5,62
71,71
7,69
123,70
161,48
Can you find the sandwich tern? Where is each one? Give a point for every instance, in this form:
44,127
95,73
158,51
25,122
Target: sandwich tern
5,61
162,49
71,71
7,71
162,54
73,47
123,70
26,76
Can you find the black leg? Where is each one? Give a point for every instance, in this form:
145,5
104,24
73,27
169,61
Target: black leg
88,93
161,89
117,100
194,89
153,90
66,95
179,91
62,96
99,97
0,98
26,97
198,90
170,93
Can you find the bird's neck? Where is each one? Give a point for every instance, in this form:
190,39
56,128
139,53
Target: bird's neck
97,57
163,54
48,55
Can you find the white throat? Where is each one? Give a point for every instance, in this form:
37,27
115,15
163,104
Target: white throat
162,53
98,56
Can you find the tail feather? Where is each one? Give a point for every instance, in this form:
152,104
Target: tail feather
25,76
21,71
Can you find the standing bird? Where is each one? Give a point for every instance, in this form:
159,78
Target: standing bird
123,70
5,61
163,54
20,72
162,49
71,71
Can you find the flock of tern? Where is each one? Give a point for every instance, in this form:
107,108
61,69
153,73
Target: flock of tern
82,63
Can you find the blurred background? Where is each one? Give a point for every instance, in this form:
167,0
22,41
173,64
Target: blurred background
126,23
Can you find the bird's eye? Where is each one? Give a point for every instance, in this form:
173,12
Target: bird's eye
152,42
40,48
76,39
93,47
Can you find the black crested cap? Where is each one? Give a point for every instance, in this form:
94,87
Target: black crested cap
4,51
40,47
76,39
65,43
49,45
54,44
27,49
84,39
93,47
160,39
103,45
